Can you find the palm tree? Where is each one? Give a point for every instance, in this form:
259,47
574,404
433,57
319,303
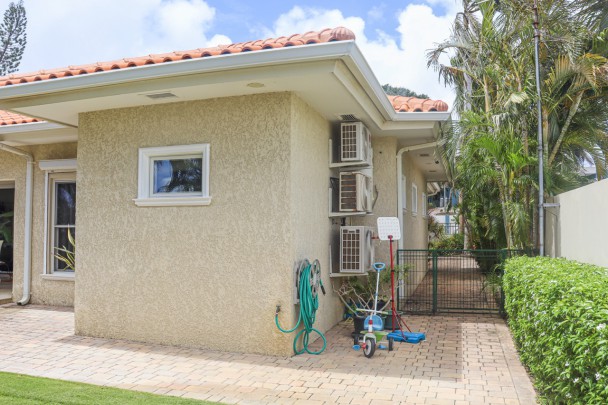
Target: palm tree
491,67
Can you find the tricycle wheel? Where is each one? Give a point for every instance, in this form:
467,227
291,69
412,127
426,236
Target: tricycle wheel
390,344
370,347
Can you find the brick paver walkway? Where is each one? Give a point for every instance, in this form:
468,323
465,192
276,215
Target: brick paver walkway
465,360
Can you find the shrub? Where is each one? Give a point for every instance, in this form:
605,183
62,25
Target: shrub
448,242
558,313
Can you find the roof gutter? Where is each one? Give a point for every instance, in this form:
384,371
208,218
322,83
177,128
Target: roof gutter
377,94
27,244
347,51
30,127
400,184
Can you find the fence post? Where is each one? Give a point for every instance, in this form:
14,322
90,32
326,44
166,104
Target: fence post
434,256
504,255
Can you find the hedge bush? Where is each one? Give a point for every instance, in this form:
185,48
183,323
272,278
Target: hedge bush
558,313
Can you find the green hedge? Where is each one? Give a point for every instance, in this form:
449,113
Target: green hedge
558,313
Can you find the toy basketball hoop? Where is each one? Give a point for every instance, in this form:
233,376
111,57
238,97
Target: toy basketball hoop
388,228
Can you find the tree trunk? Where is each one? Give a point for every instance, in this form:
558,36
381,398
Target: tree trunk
573,109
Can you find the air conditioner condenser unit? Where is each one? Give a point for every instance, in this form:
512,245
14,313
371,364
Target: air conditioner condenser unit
356,249
356,192
355,143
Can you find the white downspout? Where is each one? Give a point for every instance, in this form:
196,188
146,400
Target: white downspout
27,243
400,184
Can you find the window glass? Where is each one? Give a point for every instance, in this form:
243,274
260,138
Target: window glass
65,203
62,242
178,175
63,221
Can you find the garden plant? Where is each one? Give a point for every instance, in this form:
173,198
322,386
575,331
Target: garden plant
558,313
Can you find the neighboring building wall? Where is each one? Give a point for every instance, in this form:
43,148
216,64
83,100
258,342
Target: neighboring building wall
577,229
310,223
191,275
13,168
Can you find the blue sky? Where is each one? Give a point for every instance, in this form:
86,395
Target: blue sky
393,35
239,18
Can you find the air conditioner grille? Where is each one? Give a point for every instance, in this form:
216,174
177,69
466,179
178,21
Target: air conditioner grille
351,250
349,142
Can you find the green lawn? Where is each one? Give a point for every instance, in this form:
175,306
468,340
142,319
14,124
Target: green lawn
18,389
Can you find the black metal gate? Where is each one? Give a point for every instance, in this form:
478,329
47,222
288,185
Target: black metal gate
452,280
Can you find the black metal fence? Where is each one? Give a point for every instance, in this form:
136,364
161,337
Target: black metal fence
452,280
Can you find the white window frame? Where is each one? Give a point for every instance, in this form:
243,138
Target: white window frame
404,188
414,200
424,205
49,167
56,172
145,195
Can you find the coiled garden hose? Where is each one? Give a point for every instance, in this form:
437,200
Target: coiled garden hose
308,287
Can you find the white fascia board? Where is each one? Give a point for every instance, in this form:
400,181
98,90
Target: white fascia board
365,71
30,127
294,54
436,116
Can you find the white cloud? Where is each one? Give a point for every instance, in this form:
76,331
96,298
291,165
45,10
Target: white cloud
398,59
182,22
376,12
72,32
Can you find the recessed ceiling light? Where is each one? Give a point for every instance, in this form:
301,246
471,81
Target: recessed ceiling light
255,85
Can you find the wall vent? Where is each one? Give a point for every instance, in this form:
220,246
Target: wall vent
156,96
348,117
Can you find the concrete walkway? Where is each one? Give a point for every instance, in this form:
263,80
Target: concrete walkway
465,360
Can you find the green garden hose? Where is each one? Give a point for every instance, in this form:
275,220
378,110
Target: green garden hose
308,286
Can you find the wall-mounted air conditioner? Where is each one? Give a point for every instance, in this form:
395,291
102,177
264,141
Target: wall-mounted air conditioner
356,189
356,249
355,143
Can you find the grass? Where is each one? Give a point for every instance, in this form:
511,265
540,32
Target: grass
18,389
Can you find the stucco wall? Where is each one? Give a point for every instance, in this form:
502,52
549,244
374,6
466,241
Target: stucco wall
577,229
415,226
13,168
311,225
385,167
190,275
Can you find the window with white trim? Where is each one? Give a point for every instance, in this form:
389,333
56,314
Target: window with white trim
404,188
173,175
424,205
62,223
414,199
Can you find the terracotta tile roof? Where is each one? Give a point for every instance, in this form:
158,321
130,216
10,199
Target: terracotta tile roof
401,104
413,104
311,37
11,118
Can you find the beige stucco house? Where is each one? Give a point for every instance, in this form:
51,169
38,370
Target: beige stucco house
86,149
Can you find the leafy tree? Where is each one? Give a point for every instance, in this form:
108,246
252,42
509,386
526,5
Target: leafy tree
402,91
12,38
